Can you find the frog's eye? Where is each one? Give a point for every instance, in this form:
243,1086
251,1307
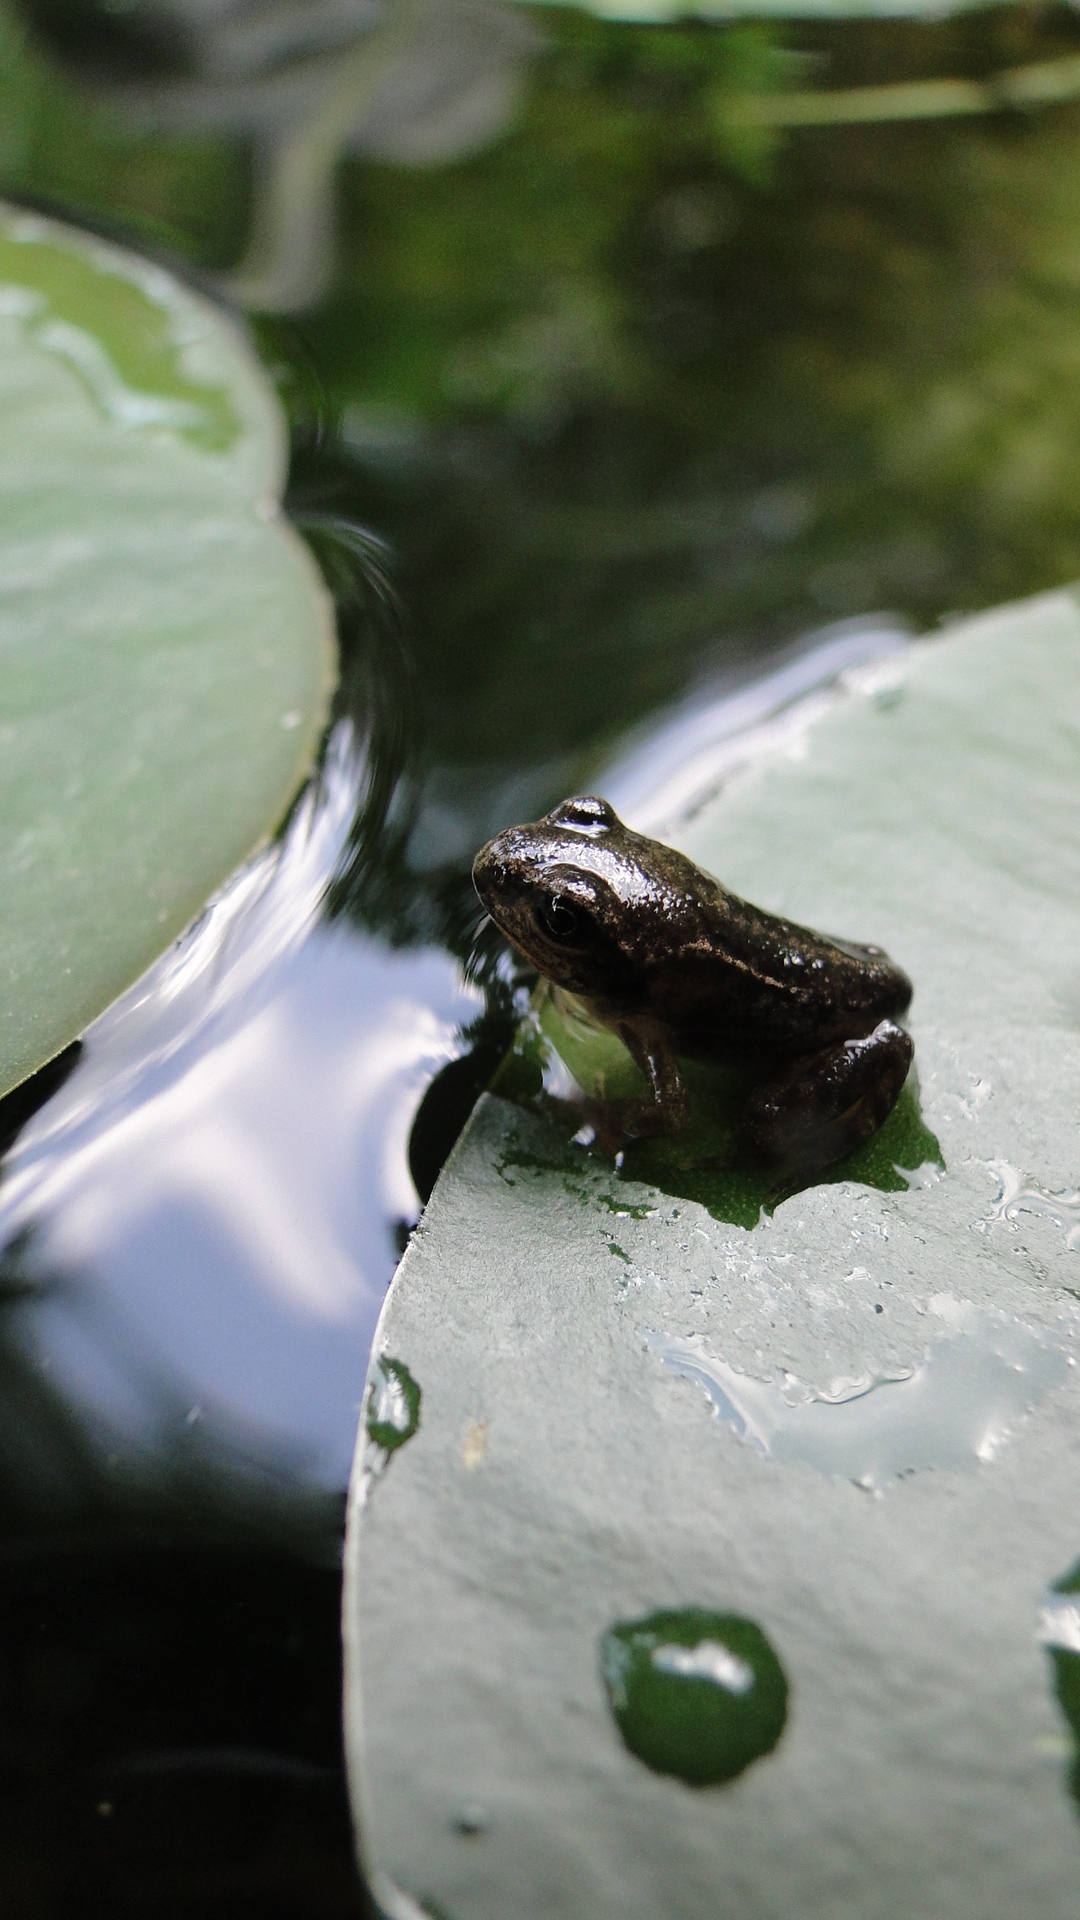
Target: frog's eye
560,919
587,813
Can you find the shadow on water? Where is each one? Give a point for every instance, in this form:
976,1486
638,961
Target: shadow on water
170,1679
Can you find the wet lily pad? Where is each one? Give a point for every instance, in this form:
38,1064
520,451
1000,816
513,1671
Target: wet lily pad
166,649
718,1567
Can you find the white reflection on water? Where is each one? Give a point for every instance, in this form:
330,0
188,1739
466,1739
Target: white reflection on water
224,1170
667,772
975,1383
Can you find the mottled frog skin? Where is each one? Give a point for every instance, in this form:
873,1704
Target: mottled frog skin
676,965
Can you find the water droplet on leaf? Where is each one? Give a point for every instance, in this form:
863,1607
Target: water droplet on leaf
696,1694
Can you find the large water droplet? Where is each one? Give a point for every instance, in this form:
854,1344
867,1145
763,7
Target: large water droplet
975,1385
393,1410
699,1695
1018,1193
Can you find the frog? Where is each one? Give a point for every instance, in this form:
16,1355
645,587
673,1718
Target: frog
659,952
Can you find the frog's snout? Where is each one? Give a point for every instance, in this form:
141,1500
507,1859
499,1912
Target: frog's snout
490,871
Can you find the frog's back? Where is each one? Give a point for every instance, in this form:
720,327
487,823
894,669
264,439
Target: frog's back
740,983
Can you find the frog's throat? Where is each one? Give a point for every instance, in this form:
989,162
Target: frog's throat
576,1014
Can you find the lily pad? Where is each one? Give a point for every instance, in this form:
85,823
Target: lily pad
716,1573
166,646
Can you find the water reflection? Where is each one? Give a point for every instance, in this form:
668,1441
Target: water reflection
222,1182
671,766
412,83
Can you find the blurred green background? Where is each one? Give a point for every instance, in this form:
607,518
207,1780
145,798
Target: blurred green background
636,392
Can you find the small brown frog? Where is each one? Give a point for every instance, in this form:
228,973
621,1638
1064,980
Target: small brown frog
662,954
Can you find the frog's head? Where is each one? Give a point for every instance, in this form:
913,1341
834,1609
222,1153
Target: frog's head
568,893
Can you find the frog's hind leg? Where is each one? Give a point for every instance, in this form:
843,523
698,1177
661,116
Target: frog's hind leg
828,1103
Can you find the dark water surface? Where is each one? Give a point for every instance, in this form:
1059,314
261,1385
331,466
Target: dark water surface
631,409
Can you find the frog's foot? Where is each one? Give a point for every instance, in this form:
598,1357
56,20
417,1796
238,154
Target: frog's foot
615,1123
668,1109
828,1103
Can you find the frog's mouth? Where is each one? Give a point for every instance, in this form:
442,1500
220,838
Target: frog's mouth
501,894
514,913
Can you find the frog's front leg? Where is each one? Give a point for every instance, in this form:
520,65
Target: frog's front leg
669,1109
828,1103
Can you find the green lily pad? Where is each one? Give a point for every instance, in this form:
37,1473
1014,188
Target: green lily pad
166,646
714,1579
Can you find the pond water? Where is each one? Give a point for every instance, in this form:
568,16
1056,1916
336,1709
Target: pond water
649,425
